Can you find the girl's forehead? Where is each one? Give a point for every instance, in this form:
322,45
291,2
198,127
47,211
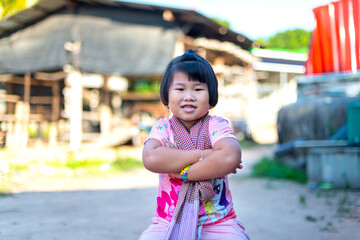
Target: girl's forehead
183,76
186,81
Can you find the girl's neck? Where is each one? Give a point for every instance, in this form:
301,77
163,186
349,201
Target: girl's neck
189,124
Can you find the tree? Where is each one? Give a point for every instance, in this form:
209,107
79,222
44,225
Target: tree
291,39
223,23
10,7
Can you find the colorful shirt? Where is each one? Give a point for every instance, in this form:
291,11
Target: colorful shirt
218,208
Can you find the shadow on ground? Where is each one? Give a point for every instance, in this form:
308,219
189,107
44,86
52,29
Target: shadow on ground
270,210
76,215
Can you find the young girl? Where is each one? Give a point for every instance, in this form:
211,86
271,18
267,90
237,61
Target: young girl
193,152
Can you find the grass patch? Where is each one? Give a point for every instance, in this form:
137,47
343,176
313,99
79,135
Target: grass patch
18,167
96,165
277,170
83,163
4,194
126,164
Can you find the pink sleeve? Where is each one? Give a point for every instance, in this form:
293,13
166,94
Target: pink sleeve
219,128
160,130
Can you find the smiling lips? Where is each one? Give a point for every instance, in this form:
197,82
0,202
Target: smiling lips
188,108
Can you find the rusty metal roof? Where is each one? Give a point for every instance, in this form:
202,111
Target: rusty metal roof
192,23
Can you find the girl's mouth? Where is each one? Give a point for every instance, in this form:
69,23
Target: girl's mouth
188,108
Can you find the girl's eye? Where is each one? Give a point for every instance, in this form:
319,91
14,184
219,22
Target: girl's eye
179,89
199,89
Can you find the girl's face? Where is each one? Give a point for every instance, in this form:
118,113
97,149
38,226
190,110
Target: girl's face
188,100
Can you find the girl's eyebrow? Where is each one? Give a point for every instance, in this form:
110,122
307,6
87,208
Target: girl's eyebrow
181,84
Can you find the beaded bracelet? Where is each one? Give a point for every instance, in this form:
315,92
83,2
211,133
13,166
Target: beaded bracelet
184,172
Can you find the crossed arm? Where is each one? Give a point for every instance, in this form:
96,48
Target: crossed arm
223,159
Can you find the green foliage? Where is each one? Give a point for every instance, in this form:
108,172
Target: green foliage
261,42
145,86
223,23
277,170
302,200
310,218
291,39
10,7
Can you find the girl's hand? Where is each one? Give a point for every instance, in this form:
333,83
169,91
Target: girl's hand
167,143
176,175
239,167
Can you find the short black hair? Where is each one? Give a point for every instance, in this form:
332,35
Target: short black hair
197,68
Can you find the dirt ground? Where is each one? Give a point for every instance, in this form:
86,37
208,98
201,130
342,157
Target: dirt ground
119,206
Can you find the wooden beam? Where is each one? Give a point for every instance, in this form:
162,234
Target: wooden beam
140,96
7,118
10,98
19,80
41,100
54,76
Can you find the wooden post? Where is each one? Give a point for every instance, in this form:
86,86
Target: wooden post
9,134
74,82
9,91
105,109
39,92
26,111
179,47
55,114
22,114
27,87
105,120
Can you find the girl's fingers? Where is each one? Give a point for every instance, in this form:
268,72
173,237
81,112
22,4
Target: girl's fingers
238,167
167,143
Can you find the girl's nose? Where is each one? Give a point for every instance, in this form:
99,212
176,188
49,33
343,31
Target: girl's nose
189,96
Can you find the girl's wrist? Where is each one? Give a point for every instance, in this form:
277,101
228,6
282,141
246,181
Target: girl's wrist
201,155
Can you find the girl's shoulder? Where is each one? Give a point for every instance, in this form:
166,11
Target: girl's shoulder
161,129
219,128
214,120
162,123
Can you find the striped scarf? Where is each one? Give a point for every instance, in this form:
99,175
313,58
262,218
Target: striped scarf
183,224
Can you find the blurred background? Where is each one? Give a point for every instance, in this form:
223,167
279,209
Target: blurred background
79,88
